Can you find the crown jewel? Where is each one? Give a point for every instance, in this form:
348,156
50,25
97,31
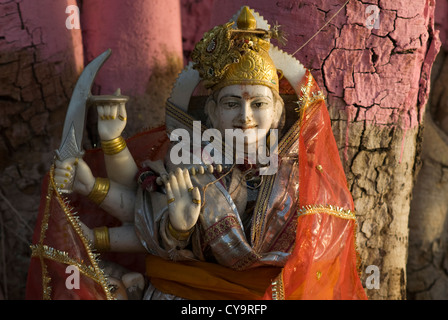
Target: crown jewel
246,20
228,55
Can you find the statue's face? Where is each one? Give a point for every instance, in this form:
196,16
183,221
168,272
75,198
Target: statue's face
246,107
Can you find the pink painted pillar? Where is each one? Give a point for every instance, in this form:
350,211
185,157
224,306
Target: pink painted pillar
146,42
195,22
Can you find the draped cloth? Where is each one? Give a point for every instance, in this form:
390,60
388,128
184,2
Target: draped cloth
301,245
199,280
323,263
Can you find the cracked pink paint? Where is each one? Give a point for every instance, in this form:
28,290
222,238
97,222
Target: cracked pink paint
385,71
42,24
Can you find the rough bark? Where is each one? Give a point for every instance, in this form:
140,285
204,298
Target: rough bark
40,61
377,83
428,237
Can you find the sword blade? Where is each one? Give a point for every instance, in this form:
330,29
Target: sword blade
72,134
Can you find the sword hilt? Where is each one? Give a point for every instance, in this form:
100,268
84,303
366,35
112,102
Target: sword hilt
68,186
115,98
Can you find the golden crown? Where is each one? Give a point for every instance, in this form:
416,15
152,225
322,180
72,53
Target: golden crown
227,56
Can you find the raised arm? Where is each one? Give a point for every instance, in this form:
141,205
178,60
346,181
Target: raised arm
120,164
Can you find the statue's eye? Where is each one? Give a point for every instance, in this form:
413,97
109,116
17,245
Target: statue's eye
259,104
231,104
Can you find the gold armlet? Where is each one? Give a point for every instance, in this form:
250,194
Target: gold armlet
179,235
114,146
102,240
100,190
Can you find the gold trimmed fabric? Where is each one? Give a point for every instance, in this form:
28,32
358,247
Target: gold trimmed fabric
326,270
44,252
180,116
63,257
278,290
328,209
220,228
258,221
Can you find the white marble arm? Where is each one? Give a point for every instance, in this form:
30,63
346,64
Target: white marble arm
121,166
122,239
119,202
75,175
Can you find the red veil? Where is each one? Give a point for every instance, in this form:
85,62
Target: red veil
324,261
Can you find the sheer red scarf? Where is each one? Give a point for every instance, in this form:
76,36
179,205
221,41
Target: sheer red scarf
323,263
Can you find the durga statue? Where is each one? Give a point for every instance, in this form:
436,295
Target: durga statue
135,222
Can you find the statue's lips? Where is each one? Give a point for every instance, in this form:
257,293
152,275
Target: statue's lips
244,128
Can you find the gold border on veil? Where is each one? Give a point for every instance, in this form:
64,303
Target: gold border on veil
43,251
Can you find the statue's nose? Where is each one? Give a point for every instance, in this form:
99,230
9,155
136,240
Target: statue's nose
246,114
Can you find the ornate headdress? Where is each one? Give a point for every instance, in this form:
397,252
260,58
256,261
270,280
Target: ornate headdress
227,55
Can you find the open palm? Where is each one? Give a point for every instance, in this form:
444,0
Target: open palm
184,206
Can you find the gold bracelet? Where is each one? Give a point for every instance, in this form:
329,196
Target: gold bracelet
100,190
102,239
114,146
179,235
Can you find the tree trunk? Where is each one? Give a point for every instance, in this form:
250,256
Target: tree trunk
376,81
428,243
40,60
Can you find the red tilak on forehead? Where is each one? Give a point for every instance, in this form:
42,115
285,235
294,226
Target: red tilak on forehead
246,95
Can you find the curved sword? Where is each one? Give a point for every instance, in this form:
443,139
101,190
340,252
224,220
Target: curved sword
72,134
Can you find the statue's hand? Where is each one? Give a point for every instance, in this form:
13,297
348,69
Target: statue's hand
74,175
111,120
184,210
